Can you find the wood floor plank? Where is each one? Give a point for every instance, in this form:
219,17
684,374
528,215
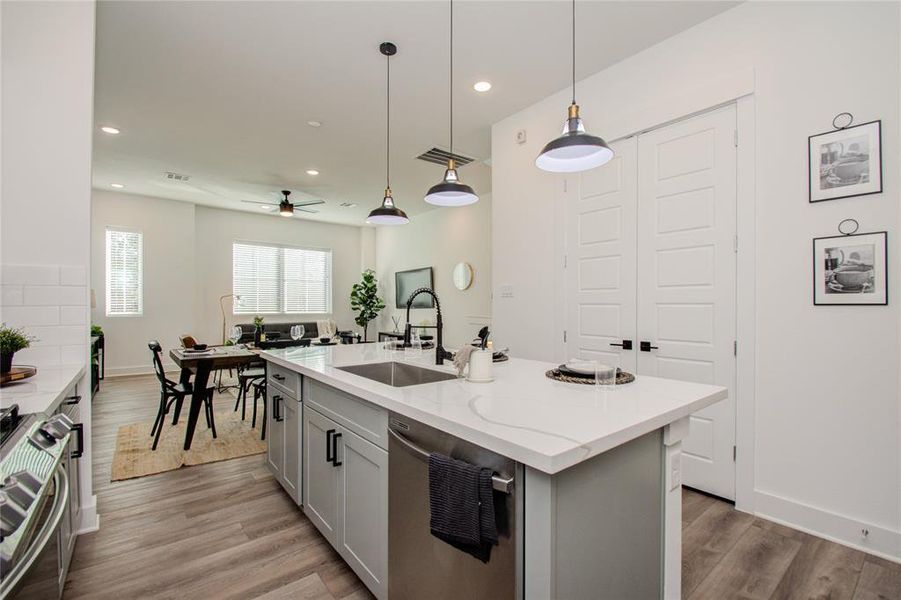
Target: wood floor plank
308,588
706,541
751,569
693,505
820,569
879,580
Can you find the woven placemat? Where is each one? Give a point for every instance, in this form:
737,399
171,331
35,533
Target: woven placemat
622,377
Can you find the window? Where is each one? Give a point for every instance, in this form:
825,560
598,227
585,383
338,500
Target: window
124,272
281,279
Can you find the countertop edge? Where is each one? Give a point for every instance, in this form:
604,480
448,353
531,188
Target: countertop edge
550,464
53,398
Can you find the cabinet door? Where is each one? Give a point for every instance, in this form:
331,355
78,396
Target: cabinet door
363,510
290,410
275,433
320,476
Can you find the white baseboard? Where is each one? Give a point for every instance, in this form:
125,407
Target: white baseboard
881,541
89,520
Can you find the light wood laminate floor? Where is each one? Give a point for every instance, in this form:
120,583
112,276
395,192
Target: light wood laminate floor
226,530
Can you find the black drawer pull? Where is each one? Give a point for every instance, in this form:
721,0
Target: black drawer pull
78,428
626,345
73,399
328,446
278,377
335,461
276,414
647,347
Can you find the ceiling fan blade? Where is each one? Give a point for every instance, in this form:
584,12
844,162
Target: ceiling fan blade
306,210
310,203
255,202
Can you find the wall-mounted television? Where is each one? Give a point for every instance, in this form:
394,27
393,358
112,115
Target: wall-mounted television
407,282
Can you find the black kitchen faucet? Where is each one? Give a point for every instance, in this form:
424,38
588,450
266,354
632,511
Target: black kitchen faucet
440,352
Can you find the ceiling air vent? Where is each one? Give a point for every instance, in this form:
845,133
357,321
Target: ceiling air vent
440,157
177,176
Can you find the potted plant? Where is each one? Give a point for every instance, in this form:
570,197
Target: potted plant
258,330
365,300
11,341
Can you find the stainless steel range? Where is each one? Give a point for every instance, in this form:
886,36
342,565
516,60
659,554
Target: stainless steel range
34,498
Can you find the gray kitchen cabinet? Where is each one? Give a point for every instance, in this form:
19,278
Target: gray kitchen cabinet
320,487
69,524
283,436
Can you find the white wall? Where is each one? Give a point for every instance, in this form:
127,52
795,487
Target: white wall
826,447
188,266
440,239
45,194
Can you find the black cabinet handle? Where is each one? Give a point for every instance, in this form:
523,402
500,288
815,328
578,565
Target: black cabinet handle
335,461
78,428
626,345
275,412
647,347
328,446
73,399
278,377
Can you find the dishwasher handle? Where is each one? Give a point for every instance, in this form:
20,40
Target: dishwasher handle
501,484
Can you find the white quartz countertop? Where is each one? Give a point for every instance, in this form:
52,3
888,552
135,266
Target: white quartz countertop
44,391
545,424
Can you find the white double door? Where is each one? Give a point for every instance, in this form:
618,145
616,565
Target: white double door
650,261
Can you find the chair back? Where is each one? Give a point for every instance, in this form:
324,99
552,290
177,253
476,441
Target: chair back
187,341
157,350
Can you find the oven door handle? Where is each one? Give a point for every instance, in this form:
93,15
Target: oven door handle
501,484
25,562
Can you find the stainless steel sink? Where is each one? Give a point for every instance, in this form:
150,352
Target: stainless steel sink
397,374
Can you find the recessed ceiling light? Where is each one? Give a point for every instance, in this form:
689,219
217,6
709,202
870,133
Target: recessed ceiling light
314,123
118,186
312,172
482,86
109,130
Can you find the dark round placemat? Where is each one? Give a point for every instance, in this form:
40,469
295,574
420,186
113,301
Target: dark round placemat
622,377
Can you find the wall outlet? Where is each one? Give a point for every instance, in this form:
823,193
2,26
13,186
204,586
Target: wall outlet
506,291
520,136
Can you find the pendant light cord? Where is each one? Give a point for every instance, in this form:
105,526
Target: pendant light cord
452,76
574,51
388,124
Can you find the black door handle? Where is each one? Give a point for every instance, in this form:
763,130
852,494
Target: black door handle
328,445
626,345
275,412
73,399
647,347
335,460
78,428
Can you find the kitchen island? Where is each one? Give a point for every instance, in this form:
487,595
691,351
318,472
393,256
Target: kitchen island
596,470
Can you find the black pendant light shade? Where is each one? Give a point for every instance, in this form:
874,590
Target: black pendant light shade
388,213
575,150
285,208
451,192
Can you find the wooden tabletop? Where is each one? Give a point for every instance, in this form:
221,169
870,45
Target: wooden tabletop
219,357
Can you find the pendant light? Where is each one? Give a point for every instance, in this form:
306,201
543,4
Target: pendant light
451,192
574,150
285,208
388,213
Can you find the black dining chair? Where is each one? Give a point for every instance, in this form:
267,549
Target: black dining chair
247,377
172,392
259,391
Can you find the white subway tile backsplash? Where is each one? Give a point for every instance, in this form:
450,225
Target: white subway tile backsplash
11,295
30,316
41,295
41,356
60,335
73,296
73,355
72,315
30,274
73,276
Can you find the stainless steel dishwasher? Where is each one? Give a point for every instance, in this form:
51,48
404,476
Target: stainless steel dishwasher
419,564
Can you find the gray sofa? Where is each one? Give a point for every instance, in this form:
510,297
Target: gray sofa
278,331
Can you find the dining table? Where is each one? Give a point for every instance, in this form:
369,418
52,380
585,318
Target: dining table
201,364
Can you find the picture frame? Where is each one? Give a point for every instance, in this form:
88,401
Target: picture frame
851,270
845,162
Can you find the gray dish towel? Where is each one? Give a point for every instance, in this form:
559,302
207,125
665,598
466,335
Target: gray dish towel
461,501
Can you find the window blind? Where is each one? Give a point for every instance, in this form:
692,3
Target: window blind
124,272
281,279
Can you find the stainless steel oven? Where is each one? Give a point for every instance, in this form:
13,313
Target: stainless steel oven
34,503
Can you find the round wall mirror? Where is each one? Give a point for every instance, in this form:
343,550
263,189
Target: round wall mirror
462,276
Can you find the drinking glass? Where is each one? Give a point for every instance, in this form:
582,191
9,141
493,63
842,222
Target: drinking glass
297,332
235,334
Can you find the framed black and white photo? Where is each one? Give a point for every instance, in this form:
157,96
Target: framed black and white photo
850,269
846,162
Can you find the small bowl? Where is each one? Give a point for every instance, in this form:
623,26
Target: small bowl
324,340
200,347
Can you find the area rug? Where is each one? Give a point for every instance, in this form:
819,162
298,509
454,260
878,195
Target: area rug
134,458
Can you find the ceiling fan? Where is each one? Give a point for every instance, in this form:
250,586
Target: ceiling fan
286,208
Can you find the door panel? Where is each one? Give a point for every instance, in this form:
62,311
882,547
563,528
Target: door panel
686,278
363,510
601,262
320,487
292,426
275,435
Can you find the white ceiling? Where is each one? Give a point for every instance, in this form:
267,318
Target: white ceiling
222,91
